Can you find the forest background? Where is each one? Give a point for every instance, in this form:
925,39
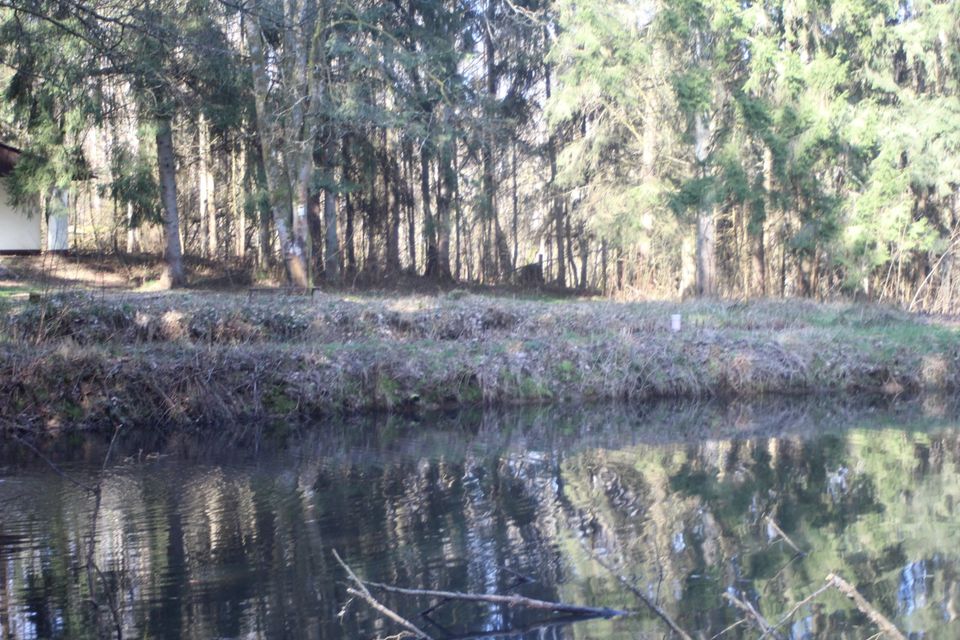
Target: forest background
635,147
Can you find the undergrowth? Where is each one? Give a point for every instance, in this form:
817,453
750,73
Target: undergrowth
84,360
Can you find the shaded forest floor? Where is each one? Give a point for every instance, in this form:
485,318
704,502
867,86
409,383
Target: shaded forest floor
89,358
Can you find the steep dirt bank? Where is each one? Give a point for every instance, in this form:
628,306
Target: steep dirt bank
84,361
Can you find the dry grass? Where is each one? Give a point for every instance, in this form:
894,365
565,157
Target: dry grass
215,358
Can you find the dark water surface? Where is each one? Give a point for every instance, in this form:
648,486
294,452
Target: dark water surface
208,541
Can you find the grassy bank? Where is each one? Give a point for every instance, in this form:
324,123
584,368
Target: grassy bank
83,360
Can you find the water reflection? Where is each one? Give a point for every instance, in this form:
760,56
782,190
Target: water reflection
688,502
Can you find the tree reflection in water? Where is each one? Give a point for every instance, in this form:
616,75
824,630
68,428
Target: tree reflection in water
680,500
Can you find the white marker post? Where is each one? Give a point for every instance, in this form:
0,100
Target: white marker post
675,322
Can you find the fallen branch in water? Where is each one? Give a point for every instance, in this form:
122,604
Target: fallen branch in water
538,629
758,620
865,607
642,597
810,598
833,581
511,600
362,593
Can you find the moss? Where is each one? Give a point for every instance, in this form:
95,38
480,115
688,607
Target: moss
277,401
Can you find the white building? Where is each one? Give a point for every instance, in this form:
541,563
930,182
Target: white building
19,227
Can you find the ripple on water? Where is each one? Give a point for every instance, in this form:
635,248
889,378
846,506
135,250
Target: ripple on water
228,549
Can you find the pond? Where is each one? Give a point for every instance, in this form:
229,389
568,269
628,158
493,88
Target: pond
198,538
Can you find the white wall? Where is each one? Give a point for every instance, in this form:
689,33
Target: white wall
18,232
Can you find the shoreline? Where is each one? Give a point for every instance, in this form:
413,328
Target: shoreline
86,362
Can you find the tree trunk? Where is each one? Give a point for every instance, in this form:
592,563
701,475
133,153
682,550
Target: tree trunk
556,205
371,265
706,252
331,264
280,205
315,220
758,260
584,242
236,189
758,250
133,233
208,210
444,200
503,249
409,204
391,185
516,214
603,266
429,226
301,247
688,266
173,274
258,179
458,210
619,269
706,240
571,262
489,179
348,233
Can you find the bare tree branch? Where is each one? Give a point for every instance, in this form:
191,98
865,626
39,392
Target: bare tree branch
362,593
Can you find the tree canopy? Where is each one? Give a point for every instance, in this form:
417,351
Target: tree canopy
692,147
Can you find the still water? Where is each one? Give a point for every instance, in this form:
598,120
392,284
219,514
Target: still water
196,537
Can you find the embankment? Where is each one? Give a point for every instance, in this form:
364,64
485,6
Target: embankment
181,360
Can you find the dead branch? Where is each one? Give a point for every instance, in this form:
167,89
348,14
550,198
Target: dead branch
810,598
761,623
387,613
91,489
362,593
729,628
537,629
642,597
780,532
511,600
865,607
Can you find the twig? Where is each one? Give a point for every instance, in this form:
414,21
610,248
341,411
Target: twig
865,607
730,628
793,558
56,469
785,619
362,593
93,571
642,597
773,524
387,613
106,457
762,623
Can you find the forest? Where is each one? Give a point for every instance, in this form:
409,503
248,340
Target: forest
643,148
463,319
